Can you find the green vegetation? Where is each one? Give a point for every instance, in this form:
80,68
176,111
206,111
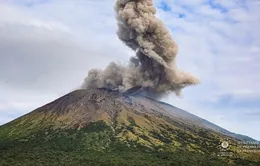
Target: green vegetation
99,144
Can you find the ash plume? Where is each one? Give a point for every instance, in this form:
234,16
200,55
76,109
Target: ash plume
154,67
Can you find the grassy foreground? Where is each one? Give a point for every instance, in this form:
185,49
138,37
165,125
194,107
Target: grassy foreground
96,145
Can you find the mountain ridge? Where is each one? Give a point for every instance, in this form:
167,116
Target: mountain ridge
210,124
179,113
115,125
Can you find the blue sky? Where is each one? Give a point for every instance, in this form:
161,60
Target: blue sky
47,47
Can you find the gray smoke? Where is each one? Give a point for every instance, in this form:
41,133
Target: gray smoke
154,66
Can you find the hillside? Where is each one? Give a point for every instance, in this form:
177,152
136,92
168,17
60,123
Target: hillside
101,127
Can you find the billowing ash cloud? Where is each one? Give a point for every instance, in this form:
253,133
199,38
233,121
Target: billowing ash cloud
154,67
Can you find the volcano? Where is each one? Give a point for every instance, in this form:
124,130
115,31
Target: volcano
105,127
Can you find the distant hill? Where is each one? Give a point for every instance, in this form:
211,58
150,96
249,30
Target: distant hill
101,127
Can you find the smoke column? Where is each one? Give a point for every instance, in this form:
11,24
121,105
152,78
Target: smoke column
154,67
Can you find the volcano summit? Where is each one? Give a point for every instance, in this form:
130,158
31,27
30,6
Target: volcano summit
104,127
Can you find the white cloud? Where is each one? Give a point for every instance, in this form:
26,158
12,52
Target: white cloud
222,48
11,15
43,58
